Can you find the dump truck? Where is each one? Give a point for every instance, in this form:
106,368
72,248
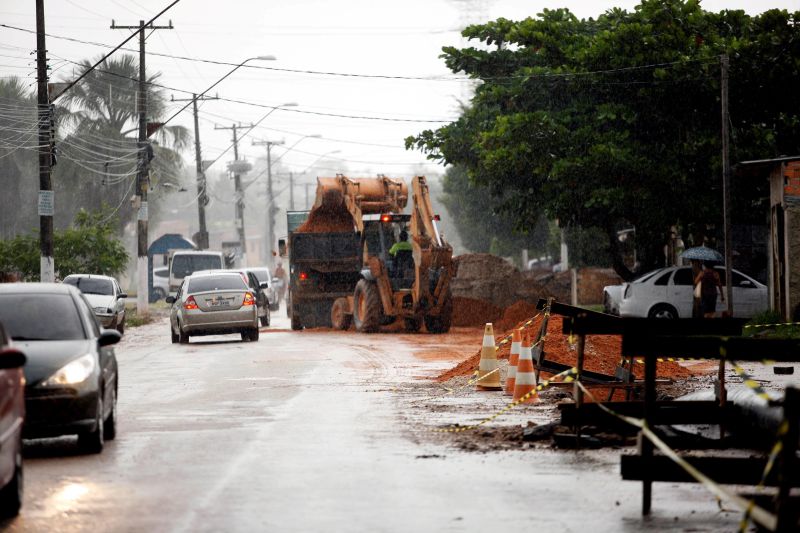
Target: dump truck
341,271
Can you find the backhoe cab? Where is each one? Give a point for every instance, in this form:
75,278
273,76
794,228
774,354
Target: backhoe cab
412,284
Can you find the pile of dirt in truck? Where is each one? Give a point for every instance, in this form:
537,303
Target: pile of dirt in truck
330,216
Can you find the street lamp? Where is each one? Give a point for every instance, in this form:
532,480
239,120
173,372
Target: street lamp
272,210
202,197
317,160
309,167
289,104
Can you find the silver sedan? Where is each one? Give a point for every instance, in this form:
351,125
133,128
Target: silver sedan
213,304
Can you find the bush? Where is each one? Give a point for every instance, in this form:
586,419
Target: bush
770,324
89,247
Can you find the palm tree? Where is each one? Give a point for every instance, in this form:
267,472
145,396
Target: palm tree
98,152
19,179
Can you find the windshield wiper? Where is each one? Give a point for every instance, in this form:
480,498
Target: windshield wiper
16,338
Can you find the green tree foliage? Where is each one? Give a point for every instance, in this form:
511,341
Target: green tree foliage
482,228
87,247
19,180
614,122
98,125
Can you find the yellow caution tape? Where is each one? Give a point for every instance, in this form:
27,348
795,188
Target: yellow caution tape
783,429
777,324
762,516
474,379
568,375
749,382
640,361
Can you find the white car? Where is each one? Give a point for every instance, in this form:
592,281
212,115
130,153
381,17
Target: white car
161,282
104,295
612,296
669,293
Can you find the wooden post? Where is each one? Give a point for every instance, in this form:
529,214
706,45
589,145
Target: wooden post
787,458
645,446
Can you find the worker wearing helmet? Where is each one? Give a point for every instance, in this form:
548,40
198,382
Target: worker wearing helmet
400,245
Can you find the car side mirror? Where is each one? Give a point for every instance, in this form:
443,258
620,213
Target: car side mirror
122,295
109,337
11,358
170,299
263,285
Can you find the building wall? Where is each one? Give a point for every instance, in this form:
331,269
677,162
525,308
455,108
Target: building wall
793,256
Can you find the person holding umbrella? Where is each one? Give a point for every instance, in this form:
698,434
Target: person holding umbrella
709,283
700,255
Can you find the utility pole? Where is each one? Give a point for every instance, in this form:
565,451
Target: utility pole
202,197
237,183
726,182
271,209
142,174
291,191
46,201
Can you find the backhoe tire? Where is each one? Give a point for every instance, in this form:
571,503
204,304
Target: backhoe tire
441,323
367,307
412,325
340,314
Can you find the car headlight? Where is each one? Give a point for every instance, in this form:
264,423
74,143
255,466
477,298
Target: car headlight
74,372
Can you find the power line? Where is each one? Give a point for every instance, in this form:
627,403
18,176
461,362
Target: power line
276,69
87,71
266,106
389,76
287,132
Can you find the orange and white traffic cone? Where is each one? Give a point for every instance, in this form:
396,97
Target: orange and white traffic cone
525,380
489,369
513,360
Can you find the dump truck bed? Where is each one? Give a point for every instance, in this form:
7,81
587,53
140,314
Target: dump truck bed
326,252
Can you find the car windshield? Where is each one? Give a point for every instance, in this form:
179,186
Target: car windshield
185,264
40,317
92,285
262,274
216,283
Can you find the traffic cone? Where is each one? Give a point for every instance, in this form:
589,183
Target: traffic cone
513,360
488,370
525,380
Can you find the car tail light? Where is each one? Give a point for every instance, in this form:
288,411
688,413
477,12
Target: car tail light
248,299
303,276
386,218
190,303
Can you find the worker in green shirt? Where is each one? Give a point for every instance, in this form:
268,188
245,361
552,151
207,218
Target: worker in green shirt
400,245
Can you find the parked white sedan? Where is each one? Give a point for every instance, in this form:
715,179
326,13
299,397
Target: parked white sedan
105,296
668,293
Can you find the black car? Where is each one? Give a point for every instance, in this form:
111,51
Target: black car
71,372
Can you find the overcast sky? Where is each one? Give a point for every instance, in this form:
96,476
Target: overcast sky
364,37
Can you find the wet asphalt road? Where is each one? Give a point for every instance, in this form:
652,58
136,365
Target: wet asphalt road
305,431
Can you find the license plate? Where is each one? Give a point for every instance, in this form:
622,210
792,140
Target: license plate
220,302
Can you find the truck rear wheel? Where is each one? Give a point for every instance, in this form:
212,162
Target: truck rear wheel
296,324
367,307
340,314
441,323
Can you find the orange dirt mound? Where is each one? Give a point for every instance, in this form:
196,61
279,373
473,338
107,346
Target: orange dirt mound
602,353
470,312
330,216
519,311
